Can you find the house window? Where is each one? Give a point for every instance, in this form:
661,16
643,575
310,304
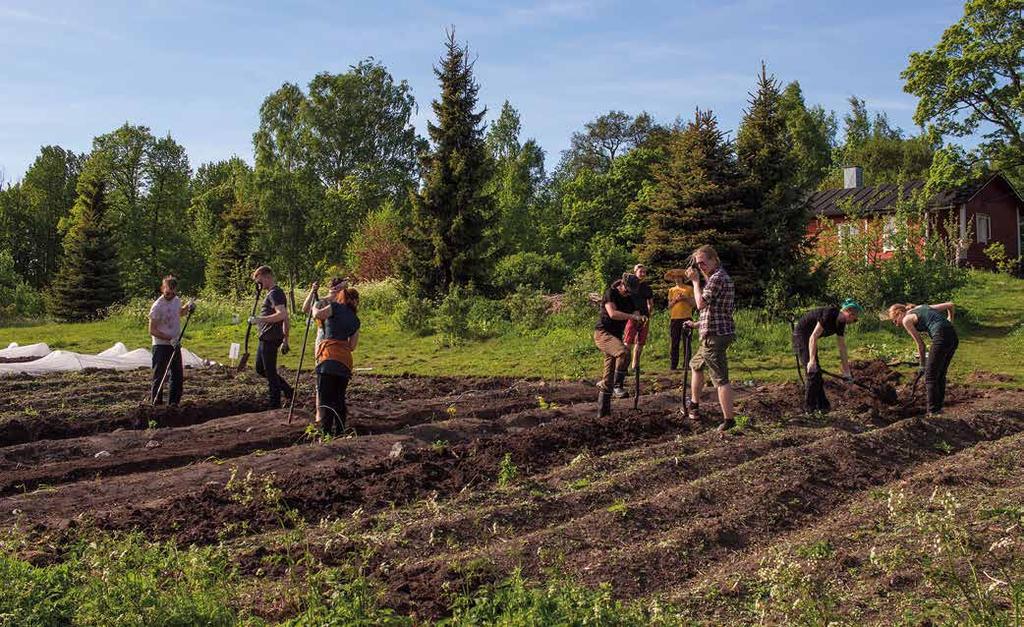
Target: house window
984,227
847,230
889,235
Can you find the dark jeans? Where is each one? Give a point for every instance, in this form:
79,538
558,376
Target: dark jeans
814,393
266,366
677,330
162,356
937,365
331,389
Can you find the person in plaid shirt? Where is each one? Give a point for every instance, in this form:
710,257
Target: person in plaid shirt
716,303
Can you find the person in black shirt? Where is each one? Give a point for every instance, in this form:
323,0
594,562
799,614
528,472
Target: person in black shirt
636,333
814,325
617,307
271,325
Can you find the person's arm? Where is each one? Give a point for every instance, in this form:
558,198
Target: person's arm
909,321
280,315
703,298
311,297
949,308
155,332
187,307
615,314
812,346
650,306
353,341
844,358
322,313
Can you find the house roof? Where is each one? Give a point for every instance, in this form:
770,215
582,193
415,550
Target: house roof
881,198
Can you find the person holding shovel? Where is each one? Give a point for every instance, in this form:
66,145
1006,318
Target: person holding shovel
635,335
716,303
937,322
618,306
336,293
271,322
165,326
334,354
814,325
680,311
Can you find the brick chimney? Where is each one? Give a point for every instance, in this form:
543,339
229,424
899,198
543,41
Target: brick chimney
853,177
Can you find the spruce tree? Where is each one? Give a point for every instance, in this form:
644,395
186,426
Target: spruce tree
88,280
234,254
767,158
451,210
698,197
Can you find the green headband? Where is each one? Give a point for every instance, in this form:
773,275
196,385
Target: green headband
849,303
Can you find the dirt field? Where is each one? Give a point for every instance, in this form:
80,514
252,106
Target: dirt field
449,483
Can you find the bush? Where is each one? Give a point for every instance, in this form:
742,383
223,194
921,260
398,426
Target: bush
527,308
383,297
17,298
452,317
609,259
542,272
487,318
996,253
414,314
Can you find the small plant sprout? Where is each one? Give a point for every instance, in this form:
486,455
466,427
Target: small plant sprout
618,507
151,424
451,411
544,404
507,471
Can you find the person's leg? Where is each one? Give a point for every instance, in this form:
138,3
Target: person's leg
604,395
725,401
161,359
177,377
696,385
268,352
932,368
718,363
638,347
802,357
323,402
944,347
342,402
675,333
261,368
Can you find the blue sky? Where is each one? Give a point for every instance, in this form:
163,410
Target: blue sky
199,69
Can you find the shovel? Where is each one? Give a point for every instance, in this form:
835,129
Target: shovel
302,354
686,369
874,392
245,354
176,351
636,383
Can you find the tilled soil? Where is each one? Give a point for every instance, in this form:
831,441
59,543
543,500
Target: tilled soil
470,478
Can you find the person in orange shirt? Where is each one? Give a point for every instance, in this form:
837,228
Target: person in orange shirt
680,307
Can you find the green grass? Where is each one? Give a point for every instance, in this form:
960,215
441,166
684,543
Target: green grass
991,308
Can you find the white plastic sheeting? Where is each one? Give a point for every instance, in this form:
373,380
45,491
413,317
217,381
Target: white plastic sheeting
13,351
117,357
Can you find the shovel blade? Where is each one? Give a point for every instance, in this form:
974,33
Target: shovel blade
242,361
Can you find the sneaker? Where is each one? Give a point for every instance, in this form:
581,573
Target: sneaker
620,393
726,425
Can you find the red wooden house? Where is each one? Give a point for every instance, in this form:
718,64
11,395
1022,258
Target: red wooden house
984,212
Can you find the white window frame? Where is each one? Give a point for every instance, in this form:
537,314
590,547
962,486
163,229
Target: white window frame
888,234
979,219
847,230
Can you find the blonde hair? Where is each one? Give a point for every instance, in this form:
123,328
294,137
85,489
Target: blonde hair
262,270
708,251
898,309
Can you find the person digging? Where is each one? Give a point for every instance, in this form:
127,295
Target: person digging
635,335
618,305
930,319
716,303
165,327
812,326
334,354
271,324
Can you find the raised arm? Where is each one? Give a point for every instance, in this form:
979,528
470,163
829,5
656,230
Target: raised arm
322,313
311,297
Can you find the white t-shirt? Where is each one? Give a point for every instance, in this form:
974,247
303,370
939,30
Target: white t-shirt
167,316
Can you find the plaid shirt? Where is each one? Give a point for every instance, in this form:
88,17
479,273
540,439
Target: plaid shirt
719,296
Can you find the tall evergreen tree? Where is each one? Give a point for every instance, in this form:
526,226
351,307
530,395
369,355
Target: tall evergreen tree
699,197
451,210
234,254
765,149
88,280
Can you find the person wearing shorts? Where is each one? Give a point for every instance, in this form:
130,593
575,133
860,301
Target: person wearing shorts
635,336
716,303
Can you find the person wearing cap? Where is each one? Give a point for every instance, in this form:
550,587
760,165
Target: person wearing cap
680,311
618,306
334,354
716,302
814,325
635,335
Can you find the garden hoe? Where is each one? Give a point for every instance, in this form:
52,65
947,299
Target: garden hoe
248,330
176,351
686,370
302,354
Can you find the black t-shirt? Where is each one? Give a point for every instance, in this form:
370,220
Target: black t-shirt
625,304
827,316
342,324
272,332
643,296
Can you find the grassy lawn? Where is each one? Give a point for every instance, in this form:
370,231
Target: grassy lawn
991,307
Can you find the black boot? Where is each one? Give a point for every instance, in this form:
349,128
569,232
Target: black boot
604,404
619,391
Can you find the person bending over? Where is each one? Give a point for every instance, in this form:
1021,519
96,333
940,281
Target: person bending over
814,325
937,322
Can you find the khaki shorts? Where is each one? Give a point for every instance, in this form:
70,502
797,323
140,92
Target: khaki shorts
712,353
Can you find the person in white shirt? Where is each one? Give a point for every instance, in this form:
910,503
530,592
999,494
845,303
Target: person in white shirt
165,326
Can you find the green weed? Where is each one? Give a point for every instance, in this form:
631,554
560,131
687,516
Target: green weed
507,471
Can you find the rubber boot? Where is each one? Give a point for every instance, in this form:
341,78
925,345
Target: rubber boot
604,404
619,390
